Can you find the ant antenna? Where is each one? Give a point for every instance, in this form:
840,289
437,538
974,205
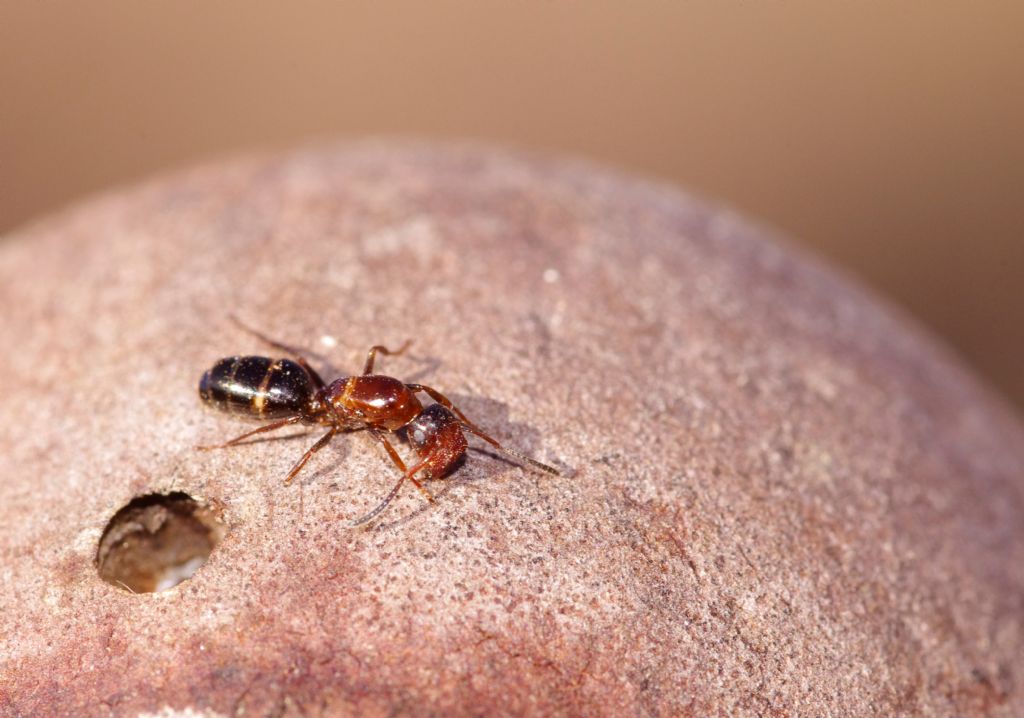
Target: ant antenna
367,518
528,462
520,457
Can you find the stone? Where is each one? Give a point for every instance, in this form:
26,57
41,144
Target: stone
780,495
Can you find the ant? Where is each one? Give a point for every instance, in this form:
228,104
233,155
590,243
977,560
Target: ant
289,392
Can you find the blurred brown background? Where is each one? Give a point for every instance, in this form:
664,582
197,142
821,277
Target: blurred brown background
887,136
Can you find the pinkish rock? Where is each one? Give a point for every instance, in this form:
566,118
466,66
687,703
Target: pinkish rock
787,500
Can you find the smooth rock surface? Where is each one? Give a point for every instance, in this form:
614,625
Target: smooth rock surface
787,500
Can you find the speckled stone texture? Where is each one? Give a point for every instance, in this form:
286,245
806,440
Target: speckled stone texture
787,500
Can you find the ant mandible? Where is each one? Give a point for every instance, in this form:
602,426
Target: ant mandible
291,392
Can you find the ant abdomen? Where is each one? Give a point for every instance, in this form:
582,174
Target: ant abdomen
257,387
437,437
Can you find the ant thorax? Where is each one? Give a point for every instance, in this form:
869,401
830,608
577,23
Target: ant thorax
374,400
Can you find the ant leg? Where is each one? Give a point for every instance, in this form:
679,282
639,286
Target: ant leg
367,518
246,435
473,428
447,404
371,356
321,443
398,462
317,380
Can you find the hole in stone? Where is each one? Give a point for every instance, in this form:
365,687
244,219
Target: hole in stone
156,541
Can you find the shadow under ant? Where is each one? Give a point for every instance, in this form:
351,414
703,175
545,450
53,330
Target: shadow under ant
487,412
492,416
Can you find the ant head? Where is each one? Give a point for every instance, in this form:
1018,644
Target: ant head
429,424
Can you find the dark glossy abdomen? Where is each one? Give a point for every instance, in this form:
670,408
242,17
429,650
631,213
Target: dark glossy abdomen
257,387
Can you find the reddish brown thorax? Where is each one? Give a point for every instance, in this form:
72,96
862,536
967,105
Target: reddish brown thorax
375,400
